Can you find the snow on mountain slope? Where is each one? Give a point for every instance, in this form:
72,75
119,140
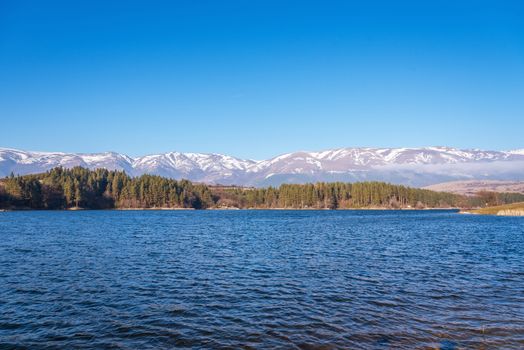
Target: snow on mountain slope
22,162
412,166
194,166
517,151
347,159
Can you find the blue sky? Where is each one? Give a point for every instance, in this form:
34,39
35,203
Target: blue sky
258,78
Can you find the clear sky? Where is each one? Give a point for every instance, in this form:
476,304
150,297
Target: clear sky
258,78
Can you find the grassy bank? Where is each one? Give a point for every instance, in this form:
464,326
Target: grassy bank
515,209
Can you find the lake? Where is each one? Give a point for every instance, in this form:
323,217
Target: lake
261,279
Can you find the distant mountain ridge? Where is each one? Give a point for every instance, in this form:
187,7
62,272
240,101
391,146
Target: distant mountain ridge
472,187
410,166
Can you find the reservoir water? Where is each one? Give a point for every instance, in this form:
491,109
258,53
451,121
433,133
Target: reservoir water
261,279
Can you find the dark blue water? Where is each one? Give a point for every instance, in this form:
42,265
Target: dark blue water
261,279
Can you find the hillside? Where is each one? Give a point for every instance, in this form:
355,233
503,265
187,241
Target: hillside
473,186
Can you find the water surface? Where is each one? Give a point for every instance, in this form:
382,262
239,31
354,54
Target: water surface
261,279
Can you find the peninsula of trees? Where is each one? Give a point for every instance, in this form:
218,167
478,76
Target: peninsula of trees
103,189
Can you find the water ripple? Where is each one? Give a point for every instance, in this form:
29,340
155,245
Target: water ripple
261,279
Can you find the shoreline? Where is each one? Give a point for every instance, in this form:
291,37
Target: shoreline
235,209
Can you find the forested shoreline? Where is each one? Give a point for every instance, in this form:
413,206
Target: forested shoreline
78,187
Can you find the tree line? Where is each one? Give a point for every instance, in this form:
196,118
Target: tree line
100,189
78,187
340,195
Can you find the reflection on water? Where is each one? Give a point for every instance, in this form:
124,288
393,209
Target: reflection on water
261,279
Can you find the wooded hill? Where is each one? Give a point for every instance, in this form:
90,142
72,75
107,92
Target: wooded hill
103,189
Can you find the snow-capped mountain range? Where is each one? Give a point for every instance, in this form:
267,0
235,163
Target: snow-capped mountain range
410,166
